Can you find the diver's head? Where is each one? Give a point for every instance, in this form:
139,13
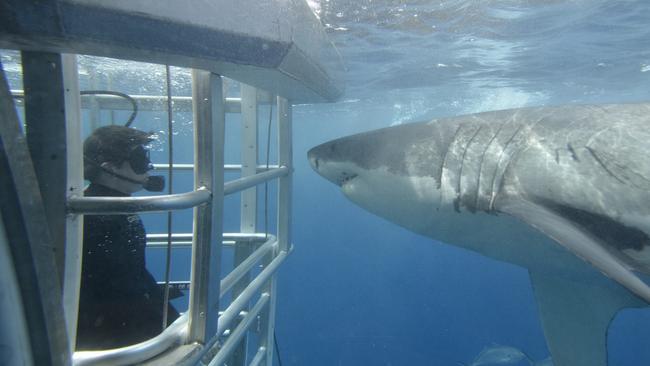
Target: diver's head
118,157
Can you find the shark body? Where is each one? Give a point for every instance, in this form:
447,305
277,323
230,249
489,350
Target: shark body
562,191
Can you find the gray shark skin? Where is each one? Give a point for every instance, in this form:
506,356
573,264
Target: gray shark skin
562,191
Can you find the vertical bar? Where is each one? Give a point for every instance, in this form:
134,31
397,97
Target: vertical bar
249,152
209,129
94,112
248,222
14,331
109,86
285,158
74,223
33,252
45,133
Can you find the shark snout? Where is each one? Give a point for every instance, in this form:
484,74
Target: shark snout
314,158
334,170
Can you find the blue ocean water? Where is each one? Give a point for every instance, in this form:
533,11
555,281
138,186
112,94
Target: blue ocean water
361,291
358,290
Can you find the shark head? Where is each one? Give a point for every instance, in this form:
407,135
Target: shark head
392,172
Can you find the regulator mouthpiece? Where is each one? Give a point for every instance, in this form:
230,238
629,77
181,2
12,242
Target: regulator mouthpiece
154,183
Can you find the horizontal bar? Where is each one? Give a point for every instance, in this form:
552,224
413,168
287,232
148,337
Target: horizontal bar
245,266
233,339
124,205
145,102
182,240
242,300
227,167
175,237
259,357
243,237
175,244
253,180
180,285
175,333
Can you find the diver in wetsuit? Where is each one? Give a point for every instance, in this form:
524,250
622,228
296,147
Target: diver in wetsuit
120,302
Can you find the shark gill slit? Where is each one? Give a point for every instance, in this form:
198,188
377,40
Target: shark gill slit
499,162
457,202
517,149
480,169
443,166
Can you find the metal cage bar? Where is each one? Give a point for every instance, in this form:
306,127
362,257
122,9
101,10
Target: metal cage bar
185,239
253,180
226,167
239,334
123,205
32,250
244,266
74,188
232,311
145,103
248,212
259,357
209,119
203,323
136,353
285,159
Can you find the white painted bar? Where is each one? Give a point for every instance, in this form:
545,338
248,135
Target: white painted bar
240,184
259,357
145,102
256,284
124,205
74,188
249,151
175,333
184,240
209,131
236,336
245,266
226,167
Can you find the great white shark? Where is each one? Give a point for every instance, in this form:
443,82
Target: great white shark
562,191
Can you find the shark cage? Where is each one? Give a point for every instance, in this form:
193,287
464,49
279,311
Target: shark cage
274,54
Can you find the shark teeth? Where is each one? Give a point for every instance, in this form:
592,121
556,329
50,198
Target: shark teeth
345,177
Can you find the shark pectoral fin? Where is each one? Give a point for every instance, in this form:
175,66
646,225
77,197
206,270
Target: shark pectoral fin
577,241
575,317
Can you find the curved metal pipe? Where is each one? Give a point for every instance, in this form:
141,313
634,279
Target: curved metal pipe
125,205
253,180
174,334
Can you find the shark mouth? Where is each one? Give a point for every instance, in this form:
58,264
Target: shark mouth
345,178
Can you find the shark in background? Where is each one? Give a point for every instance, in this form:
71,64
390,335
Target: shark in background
562,191
497,354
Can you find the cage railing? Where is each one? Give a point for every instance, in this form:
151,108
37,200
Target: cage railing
177,332
226,167
145,102
236,319
185,239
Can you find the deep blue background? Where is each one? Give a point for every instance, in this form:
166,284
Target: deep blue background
358,290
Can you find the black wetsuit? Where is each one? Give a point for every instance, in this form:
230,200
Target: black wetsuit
120,303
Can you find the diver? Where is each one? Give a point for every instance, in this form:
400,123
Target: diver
120,302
